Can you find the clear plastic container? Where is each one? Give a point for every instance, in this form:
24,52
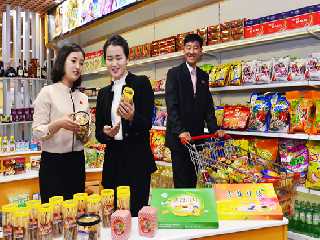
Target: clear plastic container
20,223
57,222
81,201
89,227
94,204
7,220
69,209
123,198
107,202
45,222
33,232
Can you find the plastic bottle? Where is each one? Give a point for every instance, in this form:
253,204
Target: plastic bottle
12,144
0,143
316,221
302,218
4,145
308,222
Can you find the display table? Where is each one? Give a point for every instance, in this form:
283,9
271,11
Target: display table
235,230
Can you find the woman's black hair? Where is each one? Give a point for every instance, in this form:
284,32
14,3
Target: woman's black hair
116,40
58,67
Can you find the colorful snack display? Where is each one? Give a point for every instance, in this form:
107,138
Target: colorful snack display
69,208
89,227
81,201
264,72
57,223
45,222
249,70
8,220
147,221
219,112
235,117
313,68
297,70
259,114
235,74
20,223
294,156
34,206
279,113
280,69
313,175
157,141
120,225
107,201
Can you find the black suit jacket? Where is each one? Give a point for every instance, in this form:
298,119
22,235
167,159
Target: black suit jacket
136,132
187,112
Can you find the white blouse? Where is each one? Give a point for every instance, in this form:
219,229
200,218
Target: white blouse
54,102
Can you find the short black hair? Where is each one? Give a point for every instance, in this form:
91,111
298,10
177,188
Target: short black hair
58,66
193,37
116,40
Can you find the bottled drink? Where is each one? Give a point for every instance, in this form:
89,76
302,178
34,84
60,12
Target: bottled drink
302,218
38,69
12,144
316,220
309,216
20,69
44,70
25,69
4,145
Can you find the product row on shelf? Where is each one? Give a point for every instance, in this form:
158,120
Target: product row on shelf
31,70
18,115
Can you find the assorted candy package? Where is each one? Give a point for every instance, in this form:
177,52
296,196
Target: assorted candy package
297,70
235,117
219,112
259,112
249,70
264,72
235,74
219,75
313,68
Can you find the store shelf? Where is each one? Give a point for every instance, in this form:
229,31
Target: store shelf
267,134
308,191
19,153
163,163
314,83
156,59
14,123
298,236
19,79
264,86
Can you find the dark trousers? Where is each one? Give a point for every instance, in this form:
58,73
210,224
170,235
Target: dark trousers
61,174
119,157
184,173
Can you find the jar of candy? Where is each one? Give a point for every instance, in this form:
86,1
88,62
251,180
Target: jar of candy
33,205
7,220
81,201
57,223
69,209
45,222
20,223
89,227
94,204
107,202
123,198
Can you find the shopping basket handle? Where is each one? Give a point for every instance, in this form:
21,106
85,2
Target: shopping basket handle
206,136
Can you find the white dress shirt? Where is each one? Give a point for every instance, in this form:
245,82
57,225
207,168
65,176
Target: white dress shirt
193,74
117,92
52,103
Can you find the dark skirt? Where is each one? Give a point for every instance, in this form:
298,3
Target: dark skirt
61,174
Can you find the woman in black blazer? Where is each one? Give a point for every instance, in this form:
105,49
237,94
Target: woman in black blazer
124,127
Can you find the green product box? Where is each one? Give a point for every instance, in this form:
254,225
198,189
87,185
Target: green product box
185,208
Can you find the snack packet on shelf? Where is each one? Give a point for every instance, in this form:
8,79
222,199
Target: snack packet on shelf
264,72
264,151
235,117
219,111
279,113
219,75
297,70
294,156
235,74
259,112
316,122
313,175
280,69
249,70
313,68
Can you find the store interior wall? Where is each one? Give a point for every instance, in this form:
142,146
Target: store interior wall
210,15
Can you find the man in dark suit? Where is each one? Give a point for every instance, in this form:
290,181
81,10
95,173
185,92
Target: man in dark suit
124,126
190,106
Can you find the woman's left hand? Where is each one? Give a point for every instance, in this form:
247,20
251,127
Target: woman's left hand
126,110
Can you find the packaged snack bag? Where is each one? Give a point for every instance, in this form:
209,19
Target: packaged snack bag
249,70
219,111
235,74
206,68
219,75
313,176
313,68
265,151
259,112
127,94
297,70
279,113
264,72
235,117
280,69
294,156
157,140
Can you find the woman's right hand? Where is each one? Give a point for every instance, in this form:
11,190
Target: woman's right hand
68,124
111,131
